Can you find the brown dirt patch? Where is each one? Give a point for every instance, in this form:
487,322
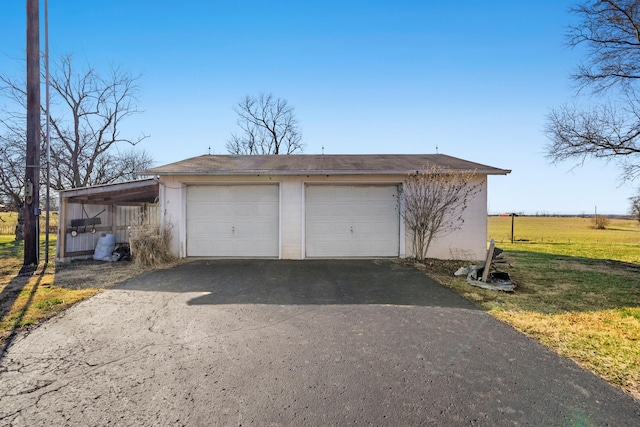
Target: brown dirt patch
95,274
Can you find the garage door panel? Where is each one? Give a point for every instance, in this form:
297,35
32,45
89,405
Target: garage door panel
361,210
340,209
351,221
233,221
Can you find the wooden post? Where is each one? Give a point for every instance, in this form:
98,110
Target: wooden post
487,263
32,170
62,227
114,221
513,215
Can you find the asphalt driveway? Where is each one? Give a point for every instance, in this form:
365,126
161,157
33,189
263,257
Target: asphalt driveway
292,343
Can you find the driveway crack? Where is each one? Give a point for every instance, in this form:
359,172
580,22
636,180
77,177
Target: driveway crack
39,384
155,314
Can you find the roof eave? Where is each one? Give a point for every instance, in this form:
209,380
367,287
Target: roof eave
307,172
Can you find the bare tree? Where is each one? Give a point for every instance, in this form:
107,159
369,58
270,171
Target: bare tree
432,203
268,126
86,116
610,31
634,208
12,177
12,162
606,132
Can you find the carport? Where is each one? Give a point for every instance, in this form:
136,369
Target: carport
86,213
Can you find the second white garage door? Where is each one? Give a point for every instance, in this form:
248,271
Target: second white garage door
233,221
351,221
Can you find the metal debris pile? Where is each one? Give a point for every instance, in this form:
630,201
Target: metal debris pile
489,275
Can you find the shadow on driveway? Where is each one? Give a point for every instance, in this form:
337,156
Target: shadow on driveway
303,282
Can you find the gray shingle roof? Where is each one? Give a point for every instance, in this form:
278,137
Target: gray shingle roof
317,164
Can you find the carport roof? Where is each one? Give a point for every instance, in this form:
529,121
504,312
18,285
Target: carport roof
318,164
122,193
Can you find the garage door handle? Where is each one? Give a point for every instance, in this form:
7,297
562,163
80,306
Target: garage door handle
351,229
233,229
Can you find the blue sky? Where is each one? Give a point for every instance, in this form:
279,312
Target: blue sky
473,78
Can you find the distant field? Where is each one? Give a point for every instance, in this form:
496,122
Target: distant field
8,221
568,236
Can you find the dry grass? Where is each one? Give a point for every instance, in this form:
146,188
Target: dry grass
150,246
604,342
87,274
30,299
578,291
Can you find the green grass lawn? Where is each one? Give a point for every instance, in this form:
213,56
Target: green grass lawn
30,298
27,299
568,236
578,291
10,249
585,309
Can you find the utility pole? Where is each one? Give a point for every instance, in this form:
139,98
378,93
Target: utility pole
48,130
32,170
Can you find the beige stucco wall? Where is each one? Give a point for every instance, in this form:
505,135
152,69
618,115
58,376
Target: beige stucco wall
469,242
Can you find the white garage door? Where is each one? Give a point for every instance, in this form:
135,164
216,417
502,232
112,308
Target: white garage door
233,221
351,221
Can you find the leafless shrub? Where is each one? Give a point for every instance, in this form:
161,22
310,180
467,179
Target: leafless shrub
432,202
600,222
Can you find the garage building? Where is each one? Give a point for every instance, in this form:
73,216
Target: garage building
306,206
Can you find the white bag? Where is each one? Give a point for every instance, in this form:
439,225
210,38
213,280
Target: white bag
105,247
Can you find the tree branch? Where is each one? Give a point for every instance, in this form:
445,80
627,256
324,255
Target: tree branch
268,126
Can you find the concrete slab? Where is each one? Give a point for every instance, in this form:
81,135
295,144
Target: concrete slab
270,342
